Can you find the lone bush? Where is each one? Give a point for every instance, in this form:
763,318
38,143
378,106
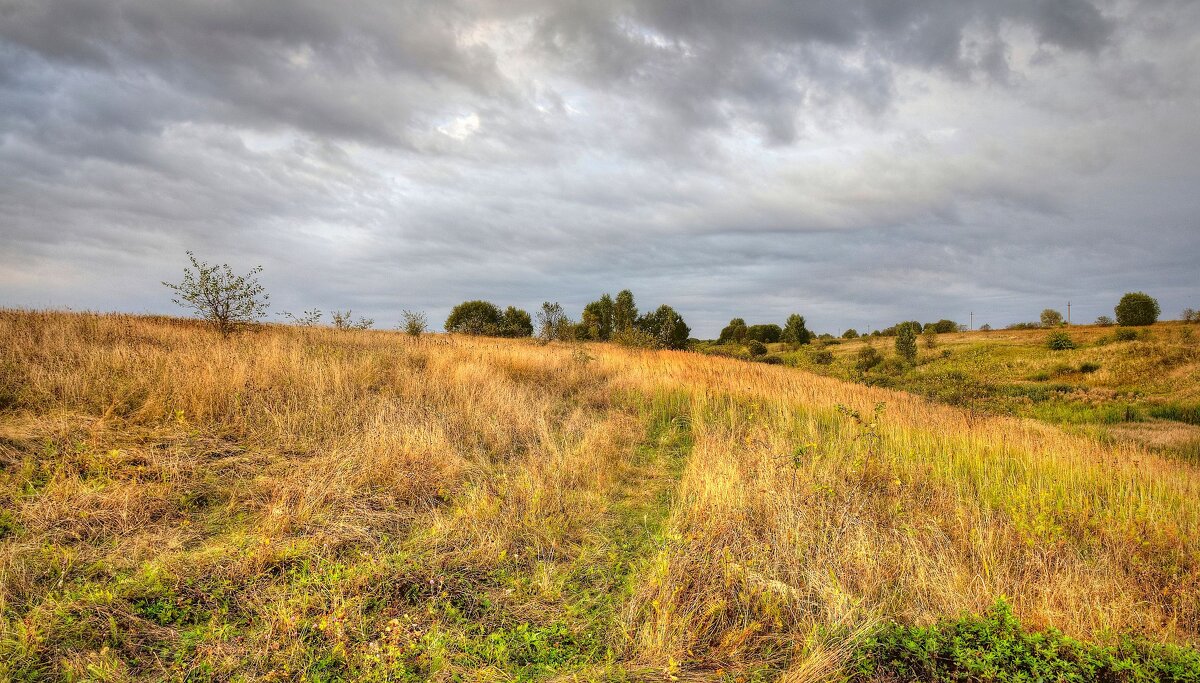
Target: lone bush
1105,321
757,348
821,356
1059,341
868,357
906,343
413,323
217,295
1137,309
1051,318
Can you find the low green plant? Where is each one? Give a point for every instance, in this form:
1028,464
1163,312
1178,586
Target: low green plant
1088,367
1059,341
995,647
757,348
868,357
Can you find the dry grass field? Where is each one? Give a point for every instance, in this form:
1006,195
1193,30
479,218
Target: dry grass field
308,504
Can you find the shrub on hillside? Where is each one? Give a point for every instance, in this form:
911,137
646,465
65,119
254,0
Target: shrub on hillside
474,317
868,357
1059,341
414,323
1136,309
224,300
850,334
1105,321
821,356
756,348
1125,335
906,343
345,321
1190,315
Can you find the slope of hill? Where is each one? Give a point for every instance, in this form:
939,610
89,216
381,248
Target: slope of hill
311,504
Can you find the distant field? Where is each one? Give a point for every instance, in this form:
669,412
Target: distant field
1144,390
308,504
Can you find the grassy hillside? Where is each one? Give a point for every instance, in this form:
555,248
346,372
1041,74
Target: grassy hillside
1138,385
310,504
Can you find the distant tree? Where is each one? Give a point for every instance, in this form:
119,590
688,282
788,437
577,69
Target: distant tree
796,331
1190,315
666,327
625,311
945,326
597,318
515,322
1105,321
1137,308
414,323
850,334
736,331
767,334
985,328
346,321
306,319
757,348
1024,326
552,322
906,343
474,317
1051,318
217,295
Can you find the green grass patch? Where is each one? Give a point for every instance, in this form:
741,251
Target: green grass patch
995,647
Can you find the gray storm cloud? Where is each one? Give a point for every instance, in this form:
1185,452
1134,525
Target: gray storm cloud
857,161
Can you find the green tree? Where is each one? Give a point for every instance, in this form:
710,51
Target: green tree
757,348
945,326
217,295
475,317
666,326
1051,318
1137,308
625,312
735,331
515,322
906,343
553,323
767,334
345,321
597,318
850,334
796,331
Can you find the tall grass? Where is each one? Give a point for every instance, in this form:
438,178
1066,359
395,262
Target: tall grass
315,504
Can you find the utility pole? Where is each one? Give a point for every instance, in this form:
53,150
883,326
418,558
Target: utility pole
1068,314
972,321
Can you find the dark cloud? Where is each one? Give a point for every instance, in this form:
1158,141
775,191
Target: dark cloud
861,160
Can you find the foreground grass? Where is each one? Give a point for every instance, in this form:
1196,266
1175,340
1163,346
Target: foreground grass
308,504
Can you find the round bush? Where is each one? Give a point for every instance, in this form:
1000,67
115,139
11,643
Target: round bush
757,348
1137,308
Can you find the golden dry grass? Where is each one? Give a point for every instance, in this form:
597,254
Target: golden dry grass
311,504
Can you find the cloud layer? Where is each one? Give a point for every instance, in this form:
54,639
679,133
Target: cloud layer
858,161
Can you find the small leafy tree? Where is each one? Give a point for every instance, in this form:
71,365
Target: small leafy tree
1190,315
346,321
516,323
767,334
985,328
906,343
414,323
1051,318
850,334
757,348
795,330
666,327
1105,321
217,295
929,337
1137,308
553,323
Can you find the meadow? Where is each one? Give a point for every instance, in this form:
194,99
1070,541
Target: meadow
313,504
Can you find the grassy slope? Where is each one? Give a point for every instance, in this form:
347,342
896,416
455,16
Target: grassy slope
311,504
1145,391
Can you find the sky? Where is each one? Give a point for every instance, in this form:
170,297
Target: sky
859,162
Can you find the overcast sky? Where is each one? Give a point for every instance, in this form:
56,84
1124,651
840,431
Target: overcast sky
857,161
